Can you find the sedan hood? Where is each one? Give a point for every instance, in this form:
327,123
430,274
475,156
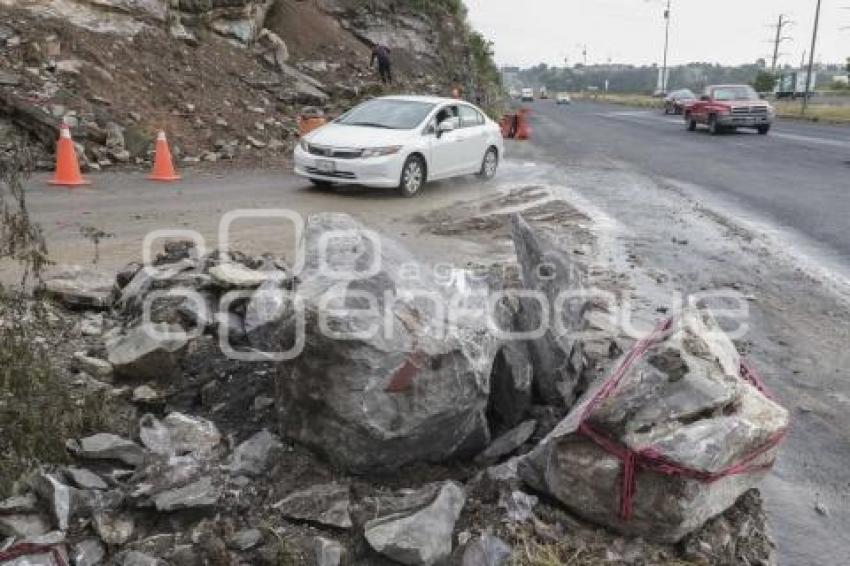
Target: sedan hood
340,135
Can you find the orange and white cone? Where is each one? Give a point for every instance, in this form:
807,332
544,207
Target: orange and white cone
67,167
163,168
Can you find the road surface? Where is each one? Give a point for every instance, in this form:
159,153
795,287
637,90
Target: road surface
797,177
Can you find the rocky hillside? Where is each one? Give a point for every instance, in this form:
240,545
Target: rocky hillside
224,78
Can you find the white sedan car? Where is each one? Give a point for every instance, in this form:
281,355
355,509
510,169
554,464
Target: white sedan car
401,142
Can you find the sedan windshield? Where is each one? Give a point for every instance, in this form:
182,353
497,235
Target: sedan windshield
735,93
389,114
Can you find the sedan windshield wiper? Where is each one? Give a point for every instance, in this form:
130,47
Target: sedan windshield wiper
369,124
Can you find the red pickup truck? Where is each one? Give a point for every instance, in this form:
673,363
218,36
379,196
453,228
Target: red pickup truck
728,107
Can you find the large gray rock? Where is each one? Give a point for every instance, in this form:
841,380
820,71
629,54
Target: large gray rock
556,357
421,536
196,495
327,504
81,287
414,389
685,400
252,457
113,528
148,351
191,435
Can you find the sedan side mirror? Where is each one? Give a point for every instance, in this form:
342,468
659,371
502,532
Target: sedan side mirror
445,126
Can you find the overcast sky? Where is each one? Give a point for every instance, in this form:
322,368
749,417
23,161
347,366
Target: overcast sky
528,32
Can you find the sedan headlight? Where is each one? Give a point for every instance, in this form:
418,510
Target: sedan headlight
305,145
380,151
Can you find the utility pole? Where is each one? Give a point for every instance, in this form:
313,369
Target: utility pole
779,39
666,45
811,58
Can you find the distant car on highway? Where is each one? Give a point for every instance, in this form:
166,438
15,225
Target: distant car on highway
401,142
544,94
674,103
563,98
527,95
724,107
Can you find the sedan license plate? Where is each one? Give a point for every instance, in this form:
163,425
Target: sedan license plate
325,166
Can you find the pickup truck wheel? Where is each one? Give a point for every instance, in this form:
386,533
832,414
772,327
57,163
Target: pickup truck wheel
713,126
763,130
690,123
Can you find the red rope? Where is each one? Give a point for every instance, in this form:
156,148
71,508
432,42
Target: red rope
650,459
25,548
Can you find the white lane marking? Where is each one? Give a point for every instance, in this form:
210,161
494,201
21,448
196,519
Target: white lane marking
808,139
645,115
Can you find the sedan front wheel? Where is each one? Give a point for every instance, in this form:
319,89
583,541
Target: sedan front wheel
489,164
412,176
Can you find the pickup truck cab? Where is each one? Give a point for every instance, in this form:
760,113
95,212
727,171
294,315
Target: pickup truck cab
724,107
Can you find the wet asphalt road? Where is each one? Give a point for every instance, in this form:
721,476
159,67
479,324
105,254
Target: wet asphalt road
798,176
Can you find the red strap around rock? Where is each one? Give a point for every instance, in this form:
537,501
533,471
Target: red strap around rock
650,459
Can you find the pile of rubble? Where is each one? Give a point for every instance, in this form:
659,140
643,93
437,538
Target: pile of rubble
398,432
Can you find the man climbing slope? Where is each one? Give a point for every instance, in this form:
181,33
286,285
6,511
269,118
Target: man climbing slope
382,54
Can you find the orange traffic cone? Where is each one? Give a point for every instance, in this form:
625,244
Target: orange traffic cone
163,168
67,168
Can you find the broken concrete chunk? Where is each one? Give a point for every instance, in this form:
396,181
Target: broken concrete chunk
79,287
149,351
106,446
58,497
191,435
19,504
486,550
509,442
233,275
155,436
423,537
136,558
685,401
23,525
95,367
199,494
252,456
328,552
245,539
88,552
327,504
113,528
85,479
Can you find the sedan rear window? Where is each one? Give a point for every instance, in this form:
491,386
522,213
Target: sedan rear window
389,114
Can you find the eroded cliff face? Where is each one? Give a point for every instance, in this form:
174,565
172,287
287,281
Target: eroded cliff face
225,78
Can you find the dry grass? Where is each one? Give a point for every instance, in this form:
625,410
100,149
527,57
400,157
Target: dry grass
833,114
636,100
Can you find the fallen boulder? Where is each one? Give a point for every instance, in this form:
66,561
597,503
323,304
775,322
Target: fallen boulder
106,446
670,439
556,356
383,379
422,536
